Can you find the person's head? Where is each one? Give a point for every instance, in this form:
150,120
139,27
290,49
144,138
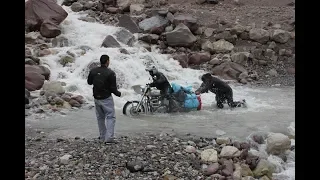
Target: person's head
104,60
206,77
152,71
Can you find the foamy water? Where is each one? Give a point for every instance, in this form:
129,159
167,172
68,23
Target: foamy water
130,70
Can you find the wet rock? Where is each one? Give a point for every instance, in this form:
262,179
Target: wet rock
87,19
215,61
136,8
112,10
76,7
199,58
78,98
58,101
68,2
237,172
168,29
149,38
280,36
66,105
124,36
54,86
180,36
66,60
209,155
157,30
277,143
259,35
211,169
66,97
125,21
110,42
29,61
43,52
187,20
207,46
229,151
74,103
33,80
182,58
244,145
153,22
124,51
60,41
263,168
245,170
135,166
124,5
49,29
241,58
228,168
27,52
222,46
223,140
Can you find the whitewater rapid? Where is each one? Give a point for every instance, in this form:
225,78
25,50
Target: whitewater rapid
130,70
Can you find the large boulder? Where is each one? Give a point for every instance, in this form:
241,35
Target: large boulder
153,22
259,35
48,12
54,87
110,42
278,143
149,38
199,58
124,36
229,70
124,5
241,58
180,36
42,70
280,36
222,46
264,168
207,46
33,78
125,21
209,155
182,59
187,20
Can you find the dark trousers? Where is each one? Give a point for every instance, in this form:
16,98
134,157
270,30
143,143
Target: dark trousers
222,97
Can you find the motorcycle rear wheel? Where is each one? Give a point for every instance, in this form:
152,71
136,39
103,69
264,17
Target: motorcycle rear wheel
130,108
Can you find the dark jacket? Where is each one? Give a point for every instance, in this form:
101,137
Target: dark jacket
214,85
109,79
160,81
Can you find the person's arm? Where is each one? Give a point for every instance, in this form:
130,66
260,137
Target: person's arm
113,84
204,88
90,78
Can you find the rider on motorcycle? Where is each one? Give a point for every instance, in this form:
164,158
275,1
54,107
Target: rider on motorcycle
161,83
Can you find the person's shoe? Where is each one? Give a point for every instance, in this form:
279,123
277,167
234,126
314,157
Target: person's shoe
111,141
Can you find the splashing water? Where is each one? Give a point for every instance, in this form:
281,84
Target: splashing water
130,68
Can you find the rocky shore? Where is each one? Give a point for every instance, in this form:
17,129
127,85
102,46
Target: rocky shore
154,156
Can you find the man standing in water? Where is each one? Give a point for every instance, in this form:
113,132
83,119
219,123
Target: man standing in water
104,84
222,90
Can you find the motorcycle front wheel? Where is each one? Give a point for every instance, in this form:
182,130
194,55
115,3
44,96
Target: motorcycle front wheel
130,108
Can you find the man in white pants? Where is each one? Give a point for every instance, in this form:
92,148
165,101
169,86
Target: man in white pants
104,84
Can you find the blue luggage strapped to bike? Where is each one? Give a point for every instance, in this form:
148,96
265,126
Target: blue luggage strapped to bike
190,98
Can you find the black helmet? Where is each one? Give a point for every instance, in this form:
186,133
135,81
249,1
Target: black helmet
205,77
152,70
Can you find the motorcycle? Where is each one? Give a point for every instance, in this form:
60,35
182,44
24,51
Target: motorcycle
151,102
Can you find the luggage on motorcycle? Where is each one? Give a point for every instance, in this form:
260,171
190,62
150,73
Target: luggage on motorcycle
191,101
176,88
